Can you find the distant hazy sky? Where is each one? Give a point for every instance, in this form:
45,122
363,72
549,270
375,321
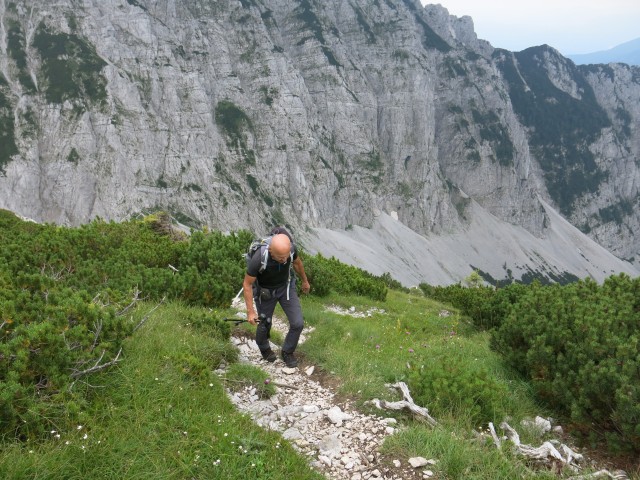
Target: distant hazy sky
570,26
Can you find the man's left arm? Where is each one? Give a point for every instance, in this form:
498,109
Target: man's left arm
299,268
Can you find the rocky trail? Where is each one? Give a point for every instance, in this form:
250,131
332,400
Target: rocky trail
343,443
340,442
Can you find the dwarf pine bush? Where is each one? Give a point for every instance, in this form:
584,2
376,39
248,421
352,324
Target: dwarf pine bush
459,386
579,345
61,290
329,274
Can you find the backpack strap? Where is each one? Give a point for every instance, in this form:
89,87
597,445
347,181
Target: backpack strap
264,254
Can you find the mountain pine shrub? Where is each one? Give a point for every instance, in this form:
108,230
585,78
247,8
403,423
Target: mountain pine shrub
580,346
49,334
61,290
329,274
459,386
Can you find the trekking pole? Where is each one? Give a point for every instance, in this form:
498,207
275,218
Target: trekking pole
238,321
236,302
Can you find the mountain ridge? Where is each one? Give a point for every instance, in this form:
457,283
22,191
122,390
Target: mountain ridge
627,52
316,114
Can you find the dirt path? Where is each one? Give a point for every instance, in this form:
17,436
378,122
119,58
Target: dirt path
340,442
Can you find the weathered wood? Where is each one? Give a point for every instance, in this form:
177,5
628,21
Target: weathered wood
407,403
496,440
546,452
615,475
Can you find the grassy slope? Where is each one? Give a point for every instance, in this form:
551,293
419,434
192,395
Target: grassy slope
161,415
387,347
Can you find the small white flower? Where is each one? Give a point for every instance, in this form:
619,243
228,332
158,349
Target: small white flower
79,427
226,434
211,384
156,379
85,436
30,451
67,442
57,435
53,431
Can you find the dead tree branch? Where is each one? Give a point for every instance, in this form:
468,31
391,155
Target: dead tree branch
615,475
136,299
144,319
97,367
546,452
496,440
407,403
98,328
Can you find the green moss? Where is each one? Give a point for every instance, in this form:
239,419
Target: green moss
16,47
373,161
400,54
135,3
253,184
232,120
311,22
71,68
250,157
73,156
493,131
306,14
72,23
269,94
161,182
277,217
474,156
404,190
8,146
624,121
454,68
617,212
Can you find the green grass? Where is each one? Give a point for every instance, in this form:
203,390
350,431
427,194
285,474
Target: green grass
162,411
159,414
365,353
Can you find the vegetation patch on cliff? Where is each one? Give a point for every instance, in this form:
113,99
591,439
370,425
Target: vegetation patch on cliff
16,47
71,68
8,146
561,127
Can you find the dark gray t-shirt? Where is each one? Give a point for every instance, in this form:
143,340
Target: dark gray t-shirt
275,275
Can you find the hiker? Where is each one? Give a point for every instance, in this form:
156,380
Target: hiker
269,281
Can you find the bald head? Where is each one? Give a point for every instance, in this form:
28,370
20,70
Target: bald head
280,248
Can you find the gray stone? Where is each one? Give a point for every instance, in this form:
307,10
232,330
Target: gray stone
417,462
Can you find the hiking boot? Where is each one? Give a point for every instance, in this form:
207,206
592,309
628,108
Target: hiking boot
289,360
269,355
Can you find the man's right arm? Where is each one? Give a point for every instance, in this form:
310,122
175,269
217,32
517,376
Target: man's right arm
247,286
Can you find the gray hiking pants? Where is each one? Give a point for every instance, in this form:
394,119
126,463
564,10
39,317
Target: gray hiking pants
291,308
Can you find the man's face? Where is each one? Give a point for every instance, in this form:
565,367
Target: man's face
279,257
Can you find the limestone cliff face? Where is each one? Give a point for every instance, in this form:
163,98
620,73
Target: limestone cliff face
241,114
